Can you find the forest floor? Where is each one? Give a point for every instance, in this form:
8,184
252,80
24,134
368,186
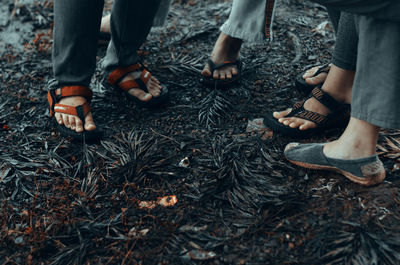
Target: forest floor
187,183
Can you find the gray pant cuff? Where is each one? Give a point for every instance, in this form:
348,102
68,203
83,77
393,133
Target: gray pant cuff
386,122
233,31
341,63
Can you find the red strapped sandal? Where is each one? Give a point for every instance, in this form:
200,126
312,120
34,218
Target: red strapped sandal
55,95
115,77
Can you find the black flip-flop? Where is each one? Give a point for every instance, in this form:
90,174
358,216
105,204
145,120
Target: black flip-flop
219,83
338,118
301,84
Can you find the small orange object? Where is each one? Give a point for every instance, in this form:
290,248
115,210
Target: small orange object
166,201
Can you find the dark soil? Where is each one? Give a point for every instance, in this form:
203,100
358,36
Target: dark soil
238,200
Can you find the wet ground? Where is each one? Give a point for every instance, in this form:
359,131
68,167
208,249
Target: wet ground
185,184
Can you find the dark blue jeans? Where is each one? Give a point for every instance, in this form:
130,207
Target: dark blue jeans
76,28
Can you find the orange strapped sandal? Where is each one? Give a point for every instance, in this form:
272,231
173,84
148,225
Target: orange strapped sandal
338,118
219,83
55,95
115,77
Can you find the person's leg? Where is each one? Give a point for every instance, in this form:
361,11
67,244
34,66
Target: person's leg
245,23
339,81
376,89
311,77
382,9
130,24
374,104
76,27
159,19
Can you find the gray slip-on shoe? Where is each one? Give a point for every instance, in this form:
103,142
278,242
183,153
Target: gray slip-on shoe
365,171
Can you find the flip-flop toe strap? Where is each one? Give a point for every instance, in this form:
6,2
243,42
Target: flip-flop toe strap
298,111
227,63
120,72
81,111
140,82
214,66
323,69
211,64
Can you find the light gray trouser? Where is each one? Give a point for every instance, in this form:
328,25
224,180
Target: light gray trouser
246,20
345,52
376,88
162,13
75,38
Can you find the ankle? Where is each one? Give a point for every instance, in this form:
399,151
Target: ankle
339,84
229,43
360,137
342,95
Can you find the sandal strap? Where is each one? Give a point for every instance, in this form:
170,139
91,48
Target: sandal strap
214,66
323,69
299,111
128,85
120,72
81,111
227,63
140,82
54,95
327,100
211,64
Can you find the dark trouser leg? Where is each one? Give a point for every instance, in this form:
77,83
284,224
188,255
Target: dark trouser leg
382,9
131,21
376,89
345,53
76,27
334,15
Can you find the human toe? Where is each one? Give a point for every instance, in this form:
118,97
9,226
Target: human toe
71,121
65,119
206,71
89,123
140,94
281,114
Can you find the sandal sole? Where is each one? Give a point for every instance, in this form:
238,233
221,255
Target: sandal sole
370,181
85,136
218,83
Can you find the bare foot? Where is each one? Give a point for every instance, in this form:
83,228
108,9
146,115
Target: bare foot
153,86
225,49
74,122
338,84
357,141
105,24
